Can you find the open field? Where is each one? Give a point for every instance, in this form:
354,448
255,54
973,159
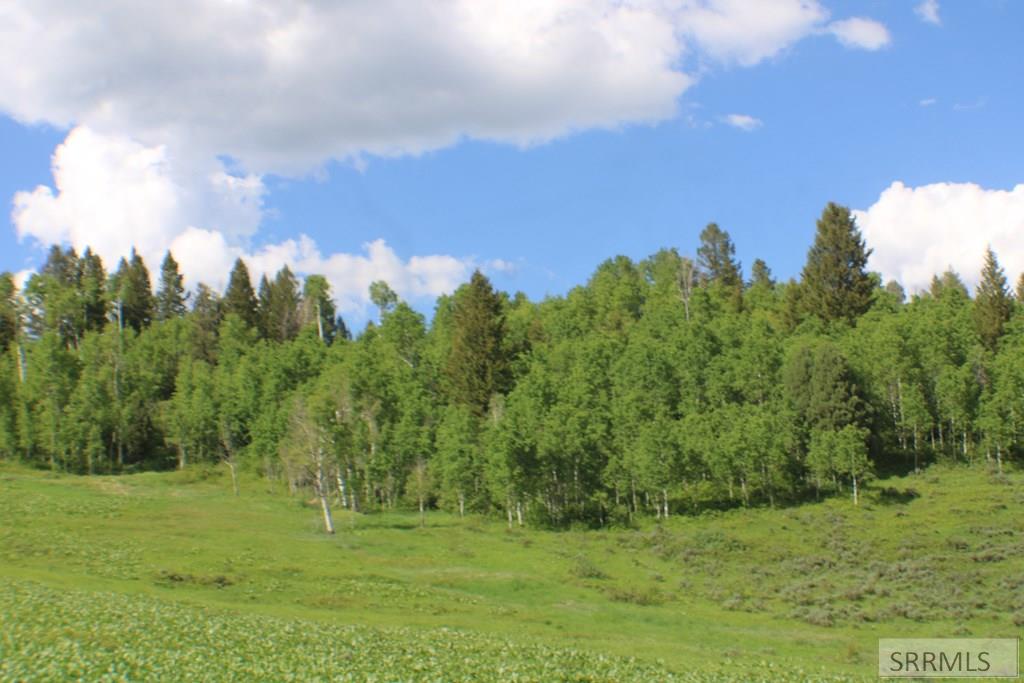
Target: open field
135,576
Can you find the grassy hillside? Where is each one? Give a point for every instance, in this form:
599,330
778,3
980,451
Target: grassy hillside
129,576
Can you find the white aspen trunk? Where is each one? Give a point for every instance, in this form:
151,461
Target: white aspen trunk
234,475
664,498
855,489
341,489
743,490
519,513
508,511
462,505
321,491
319,322
181,457
21,363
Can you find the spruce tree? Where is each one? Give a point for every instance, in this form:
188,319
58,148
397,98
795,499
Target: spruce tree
282,315
92,285
263,306
170,297
239,297
760,274
132,294
716,257
476,366
992,304
835,284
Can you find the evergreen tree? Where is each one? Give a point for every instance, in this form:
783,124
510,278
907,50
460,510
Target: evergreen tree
263,305
92,281
761,275
282,314
1020,290
476,367
992,304
716,257
239,297
132,294
170,296
835,285
205,319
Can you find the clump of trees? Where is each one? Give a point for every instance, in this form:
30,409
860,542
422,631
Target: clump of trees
659,387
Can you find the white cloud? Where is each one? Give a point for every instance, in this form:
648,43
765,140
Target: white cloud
113,194
929,12
283,87
866,34
917,232
927,102
743,122
154,103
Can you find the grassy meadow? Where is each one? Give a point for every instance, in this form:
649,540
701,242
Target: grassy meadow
163,576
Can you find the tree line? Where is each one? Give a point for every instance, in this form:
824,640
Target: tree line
659,387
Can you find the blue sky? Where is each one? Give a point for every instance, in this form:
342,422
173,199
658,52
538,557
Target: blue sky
538,197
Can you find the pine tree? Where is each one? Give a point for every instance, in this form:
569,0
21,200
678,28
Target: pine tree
92,285
205,318
761,275
835,284
282,314
239,297
170,297
716,256
992,304
263,306
132,294
476,367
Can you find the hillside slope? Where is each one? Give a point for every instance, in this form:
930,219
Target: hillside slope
166,558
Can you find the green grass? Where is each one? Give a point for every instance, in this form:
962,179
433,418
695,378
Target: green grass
135,576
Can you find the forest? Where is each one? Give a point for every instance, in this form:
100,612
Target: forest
660,387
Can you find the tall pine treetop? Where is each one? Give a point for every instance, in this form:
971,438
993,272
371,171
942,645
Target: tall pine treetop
835,284
992,305
170,296
716,256
239,298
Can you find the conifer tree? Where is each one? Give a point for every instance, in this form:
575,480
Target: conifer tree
476,367
992,305
132,294
760,274
263,306
92,285
835,284
282,313
170,297
205,318
239,297
1020,289
716,256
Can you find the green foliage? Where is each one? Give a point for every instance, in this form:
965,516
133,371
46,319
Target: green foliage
835,284
170,295
239,297
992,304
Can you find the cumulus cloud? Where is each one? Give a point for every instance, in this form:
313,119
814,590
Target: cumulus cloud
155,104
928,11
283,86
113,194
866,34
743,122
917,232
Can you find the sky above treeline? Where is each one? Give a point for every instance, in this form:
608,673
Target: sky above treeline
413,140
